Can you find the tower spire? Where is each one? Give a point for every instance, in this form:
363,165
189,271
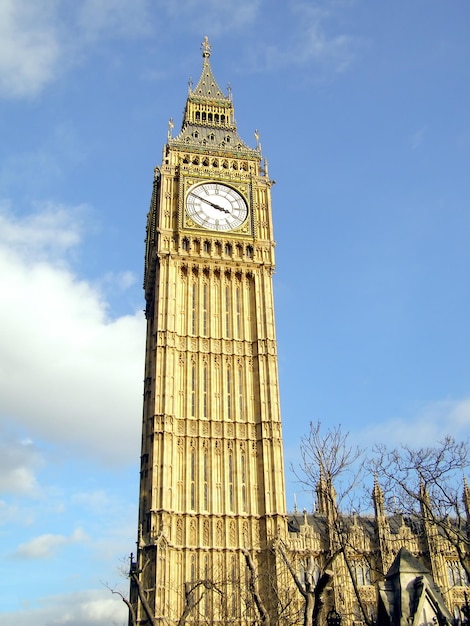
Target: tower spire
209,117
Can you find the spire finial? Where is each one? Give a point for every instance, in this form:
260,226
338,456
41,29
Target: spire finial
206,48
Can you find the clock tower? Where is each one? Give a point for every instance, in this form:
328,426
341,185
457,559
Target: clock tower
212,498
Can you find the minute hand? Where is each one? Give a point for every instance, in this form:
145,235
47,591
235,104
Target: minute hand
212,204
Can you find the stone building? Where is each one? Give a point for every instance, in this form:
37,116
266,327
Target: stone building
378,551
214,539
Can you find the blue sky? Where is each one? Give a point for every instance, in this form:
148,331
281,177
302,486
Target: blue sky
363,114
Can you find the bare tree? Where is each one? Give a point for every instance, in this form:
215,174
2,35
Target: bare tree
333,468
127,602
253,588
426,485
311,590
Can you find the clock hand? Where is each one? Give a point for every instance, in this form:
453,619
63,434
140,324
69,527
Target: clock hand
215,206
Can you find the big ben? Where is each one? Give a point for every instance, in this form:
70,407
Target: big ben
212,497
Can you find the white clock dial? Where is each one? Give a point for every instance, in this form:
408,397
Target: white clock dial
216,206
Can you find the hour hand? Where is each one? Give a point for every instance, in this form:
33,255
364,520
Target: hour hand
216,206
212,204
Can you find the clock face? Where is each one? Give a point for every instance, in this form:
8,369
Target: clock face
216,206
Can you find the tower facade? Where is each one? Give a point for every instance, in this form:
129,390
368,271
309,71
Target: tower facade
212,497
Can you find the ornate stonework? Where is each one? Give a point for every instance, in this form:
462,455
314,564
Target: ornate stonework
212,462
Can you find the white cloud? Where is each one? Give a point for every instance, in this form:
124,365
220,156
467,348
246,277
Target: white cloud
47,545
39,41
86,608
68,373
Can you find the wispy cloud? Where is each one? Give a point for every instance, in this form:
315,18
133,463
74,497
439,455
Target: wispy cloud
314,37
19,461
418,137
216,18
433,422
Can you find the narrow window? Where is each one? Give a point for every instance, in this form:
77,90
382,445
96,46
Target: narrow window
240,392
229,394
237,311
193,480
204,310
206,478
204,392
193,391
193,309
242,461
230,480
227,312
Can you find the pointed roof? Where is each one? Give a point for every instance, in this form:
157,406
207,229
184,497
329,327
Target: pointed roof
207,86
209,119
405,562
408,593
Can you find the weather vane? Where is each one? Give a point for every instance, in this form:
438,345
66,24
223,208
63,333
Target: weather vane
206,47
